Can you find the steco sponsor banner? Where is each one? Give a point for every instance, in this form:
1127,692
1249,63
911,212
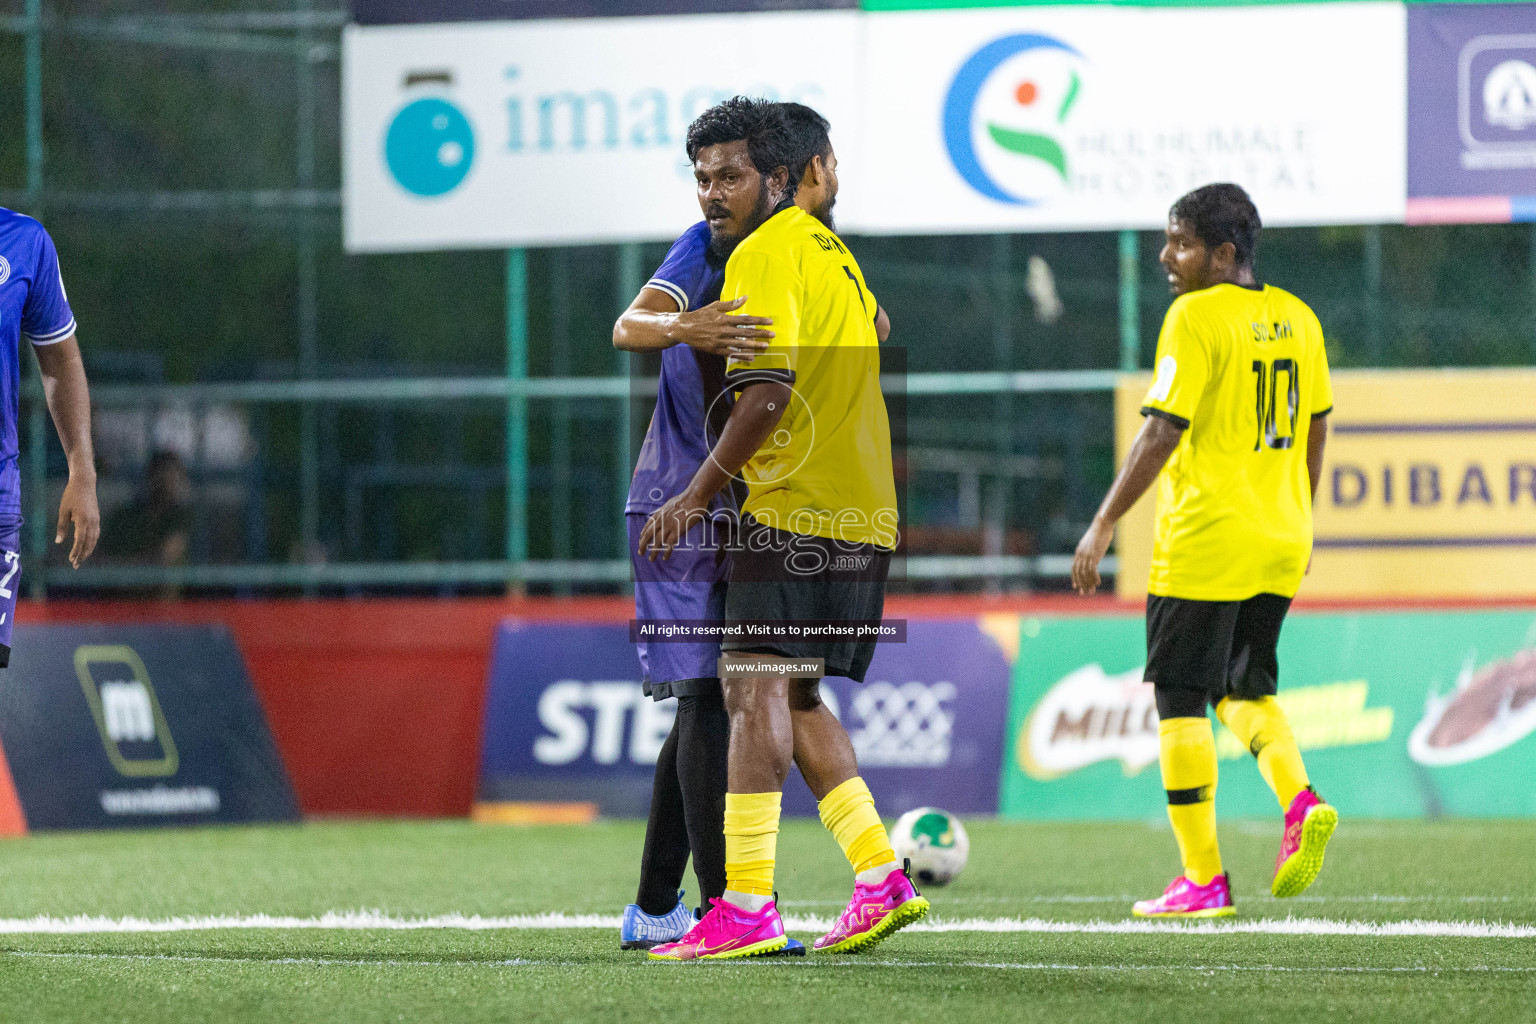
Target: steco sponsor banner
543,132
134,726
1397,715
1428,489
1033,118
1472,105
566,720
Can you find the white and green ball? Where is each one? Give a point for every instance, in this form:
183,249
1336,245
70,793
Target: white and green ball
934,841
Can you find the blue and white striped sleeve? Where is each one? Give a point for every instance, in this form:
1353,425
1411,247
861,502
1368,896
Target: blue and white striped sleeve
45,316
685,272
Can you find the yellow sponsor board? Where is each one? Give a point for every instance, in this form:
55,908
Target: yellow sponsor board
1428,490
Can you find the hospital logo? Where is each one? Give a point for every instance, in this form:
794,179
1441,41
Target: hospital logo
1005,115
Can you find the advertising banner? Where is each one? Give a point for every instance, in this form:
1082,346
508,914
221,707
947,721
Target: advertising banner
1397,715
566,720
134,726
399,12
490,134
542,132
1472,112
1066,118
1428,489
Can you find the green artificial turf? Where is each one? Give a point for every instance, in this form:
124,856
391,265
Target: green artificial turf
1376,872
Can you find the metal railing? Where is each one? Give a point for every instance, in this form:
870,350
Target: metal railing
515,393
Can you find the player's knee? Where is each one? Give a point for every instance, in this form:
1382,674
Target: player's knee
1177,702
748,696
805,695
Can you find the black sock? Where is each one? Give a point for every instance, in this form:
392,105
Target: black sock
704,738
666,834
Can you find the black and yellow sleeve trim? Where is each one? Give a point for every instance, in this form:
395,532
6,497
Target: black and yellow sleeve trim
1178,421
738,379
1324,412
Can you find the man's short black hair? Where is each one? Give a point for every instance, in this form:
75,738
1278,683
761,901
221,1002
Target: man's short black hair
809,133
1221,213
757,121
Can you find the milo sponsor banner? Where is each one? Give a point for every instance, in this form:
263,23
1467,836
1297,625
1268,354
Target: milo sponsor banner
1428,489
1397,715
566,720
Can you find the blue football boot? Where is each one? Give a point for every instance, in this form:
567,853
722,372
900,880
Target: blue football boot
640,930
792,948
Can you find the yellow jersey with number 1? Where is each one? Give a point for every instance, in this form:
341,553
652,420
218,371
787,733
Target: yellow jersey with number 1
826,469
1243,370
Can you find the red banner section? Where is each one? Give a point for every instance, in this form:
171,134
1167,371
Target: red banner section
377,705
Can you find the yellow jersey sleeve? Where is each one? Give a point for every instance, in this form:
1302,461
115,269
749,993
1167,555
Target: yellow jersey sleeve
1322,387
773,290
1183,369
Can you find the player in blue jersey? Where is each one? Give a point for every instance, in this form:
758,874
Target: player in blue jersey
33,306
679,313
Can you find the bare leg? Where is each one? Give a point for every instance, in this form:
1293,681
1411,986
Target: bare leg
823,751
762,735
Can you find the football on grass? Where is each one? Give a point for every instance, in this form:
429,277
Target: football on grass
934,841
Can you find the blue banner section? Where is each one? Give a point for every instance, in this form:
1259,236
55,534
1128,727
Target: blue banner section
402,12
133,726
1471,100
566,720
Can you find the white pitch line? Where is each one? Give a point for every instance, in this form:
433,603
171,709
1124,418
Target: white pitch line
314,961
377,920
793,961
1128,899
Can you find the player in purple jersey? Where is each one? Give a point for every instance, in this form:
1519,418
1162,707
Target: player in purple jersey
33,306
679,312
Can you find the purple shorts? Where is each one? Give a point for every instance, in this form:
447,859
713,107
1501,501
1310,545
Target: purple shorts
689,585
10,579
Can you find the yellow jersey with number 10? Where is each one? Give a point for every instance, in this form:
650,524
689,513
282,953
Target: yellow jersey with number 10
826,469
1244,371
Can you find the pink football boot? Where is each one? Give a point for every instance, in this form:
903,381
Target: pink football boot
728,932
1184,898
1308,824
875,913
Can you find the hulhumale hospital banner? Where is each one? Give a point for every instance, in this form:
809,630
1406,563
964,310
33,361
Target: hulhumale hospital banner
1063,118
566,720
1030,118
1428,489
1397,715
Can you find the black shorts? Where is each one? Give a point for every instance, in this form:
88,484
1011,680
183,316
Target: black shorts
778,576
1200,652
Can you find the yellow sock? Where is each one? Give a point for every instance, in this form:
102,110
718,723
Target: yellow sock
849,814
1188,760
751,840
1264,730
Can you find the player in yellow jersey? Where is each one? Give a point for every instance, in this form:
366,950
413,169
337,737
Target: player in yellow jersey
1236,421
810,435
